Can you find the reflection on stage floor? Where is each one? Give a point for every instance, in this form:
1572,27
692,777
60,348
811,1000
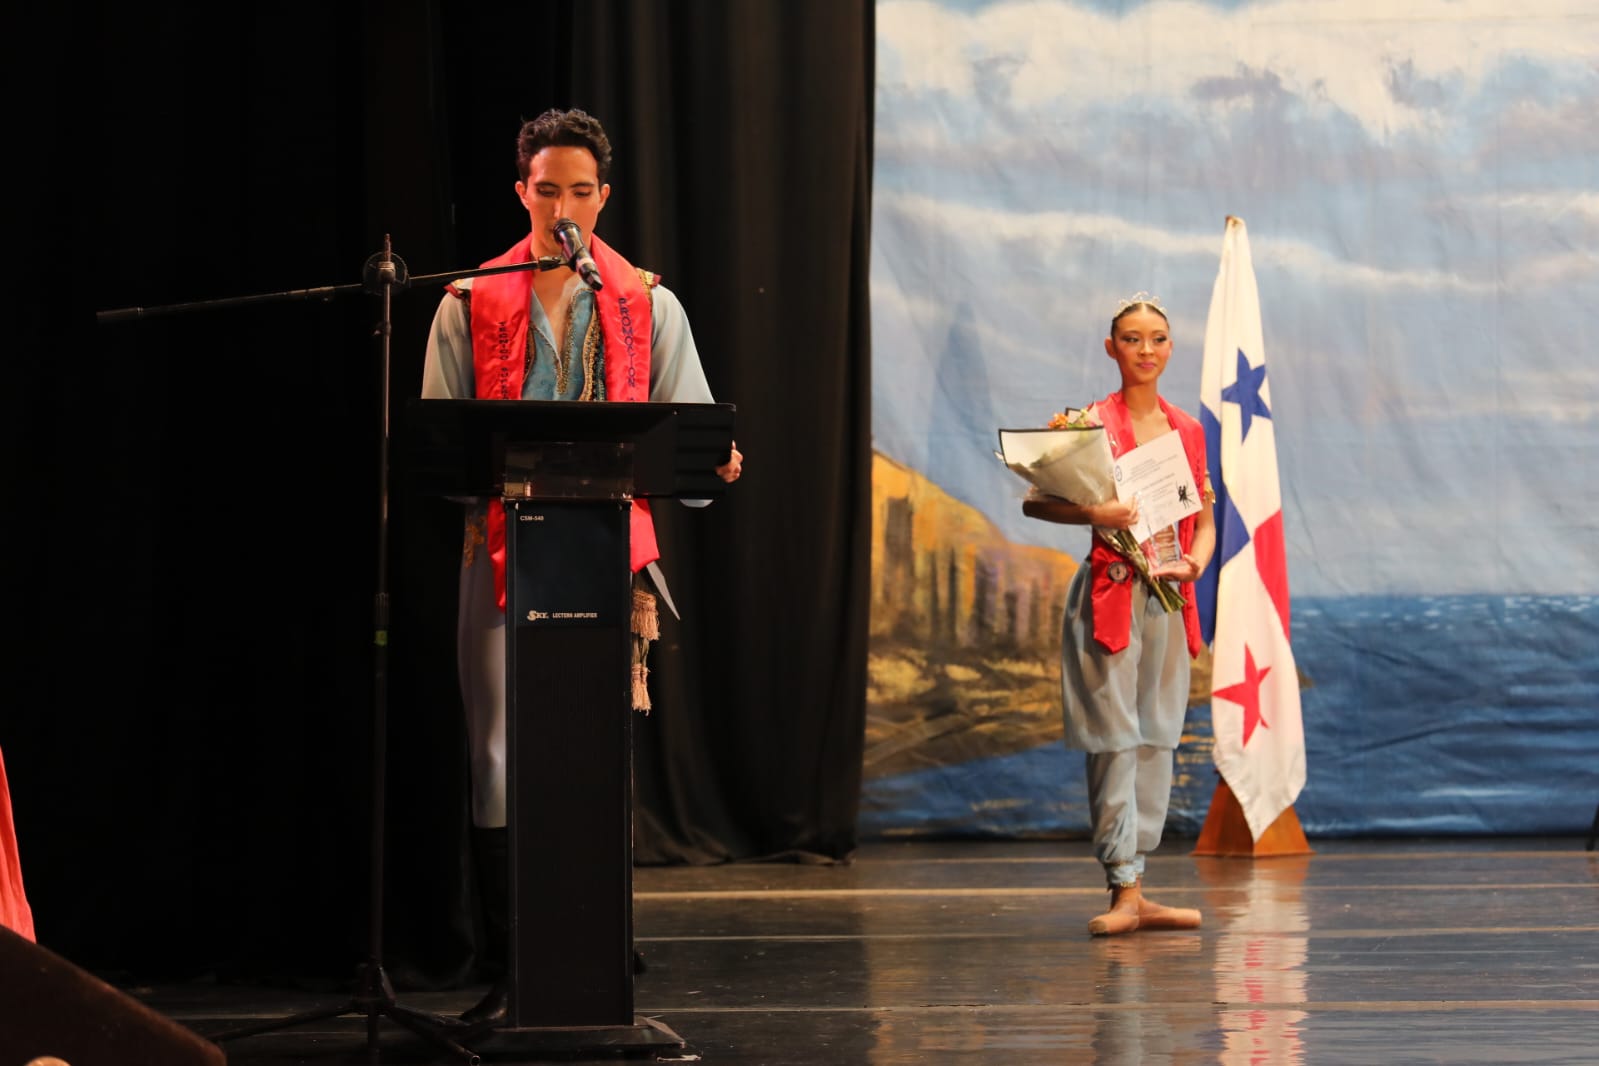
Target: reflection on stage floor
1453,951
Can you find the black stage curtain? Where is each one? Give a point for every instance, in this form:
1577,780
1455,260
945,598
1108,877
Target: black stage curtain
194,545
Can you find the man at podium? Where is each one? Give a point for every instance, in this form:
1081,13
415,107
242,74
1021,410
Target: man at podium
597,329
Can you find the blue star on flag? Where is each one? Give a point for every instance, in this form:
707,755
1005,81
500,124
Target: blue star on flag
1245,392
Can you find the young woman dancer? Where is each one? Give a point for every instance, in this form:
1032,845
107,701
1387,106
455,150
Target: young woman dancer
1124,658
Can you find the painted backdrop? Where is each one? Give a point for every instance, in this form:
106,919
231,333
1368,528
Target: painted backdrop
1421,187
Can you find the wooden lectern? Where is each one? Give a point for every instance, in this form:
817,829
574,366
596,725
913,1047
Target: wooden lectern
567,473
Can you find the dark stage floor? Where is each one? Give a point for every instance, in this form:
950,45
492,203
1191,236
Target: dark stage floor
1461,951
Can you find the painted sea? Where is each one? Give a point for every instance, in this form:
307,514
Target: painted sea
1448,715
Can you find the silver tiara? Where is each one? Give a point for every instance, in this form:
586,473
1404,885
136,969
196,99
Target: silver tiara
1140,298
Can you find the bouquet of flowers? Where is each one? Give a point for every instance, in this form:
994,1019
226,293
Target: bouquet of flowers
1071,459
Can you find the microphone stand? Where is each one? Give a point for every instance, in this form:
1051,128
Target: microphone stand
374,995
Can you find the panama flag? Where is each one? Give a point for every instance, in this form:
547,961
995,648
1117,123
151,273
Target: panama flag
1243,594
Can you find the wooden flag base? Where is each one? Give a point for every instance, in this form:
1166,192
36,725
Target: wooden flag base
1226,833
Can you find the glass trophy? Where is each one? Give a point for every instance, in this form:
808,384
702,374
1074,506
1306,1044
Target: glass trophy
1163,548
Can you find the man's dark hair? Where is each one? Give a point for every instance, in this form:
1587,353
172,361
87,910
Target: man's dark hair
563,129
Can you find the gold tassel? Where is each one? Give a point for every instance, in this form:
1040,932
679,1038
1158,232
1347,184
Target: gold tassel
646,626
641,688
646,620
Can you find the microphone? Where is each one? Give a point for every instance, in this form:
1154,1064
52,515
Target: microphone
577,257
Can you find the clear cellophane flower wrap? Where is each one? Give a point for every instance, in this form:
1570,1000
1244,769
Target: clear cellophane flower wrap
1071,458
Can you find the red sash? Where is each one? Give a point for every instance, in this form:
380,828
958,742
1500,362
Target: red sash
1113,600
500,309
15,914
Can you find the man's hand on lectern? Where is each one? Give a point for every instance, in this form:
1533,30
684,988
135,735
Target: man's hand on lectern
730,470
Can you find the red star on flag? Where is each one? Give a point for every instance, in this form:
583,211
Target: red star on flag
1246,694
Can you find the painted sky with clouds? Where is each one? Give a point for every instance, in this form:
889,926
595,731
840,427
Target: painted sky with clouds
1420,183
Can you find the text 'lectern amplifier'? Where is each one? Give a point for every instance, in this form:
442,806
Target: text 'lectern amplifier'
568,473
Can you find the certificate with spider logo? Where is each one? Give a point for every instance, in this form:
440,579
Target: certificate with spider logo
1158,476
